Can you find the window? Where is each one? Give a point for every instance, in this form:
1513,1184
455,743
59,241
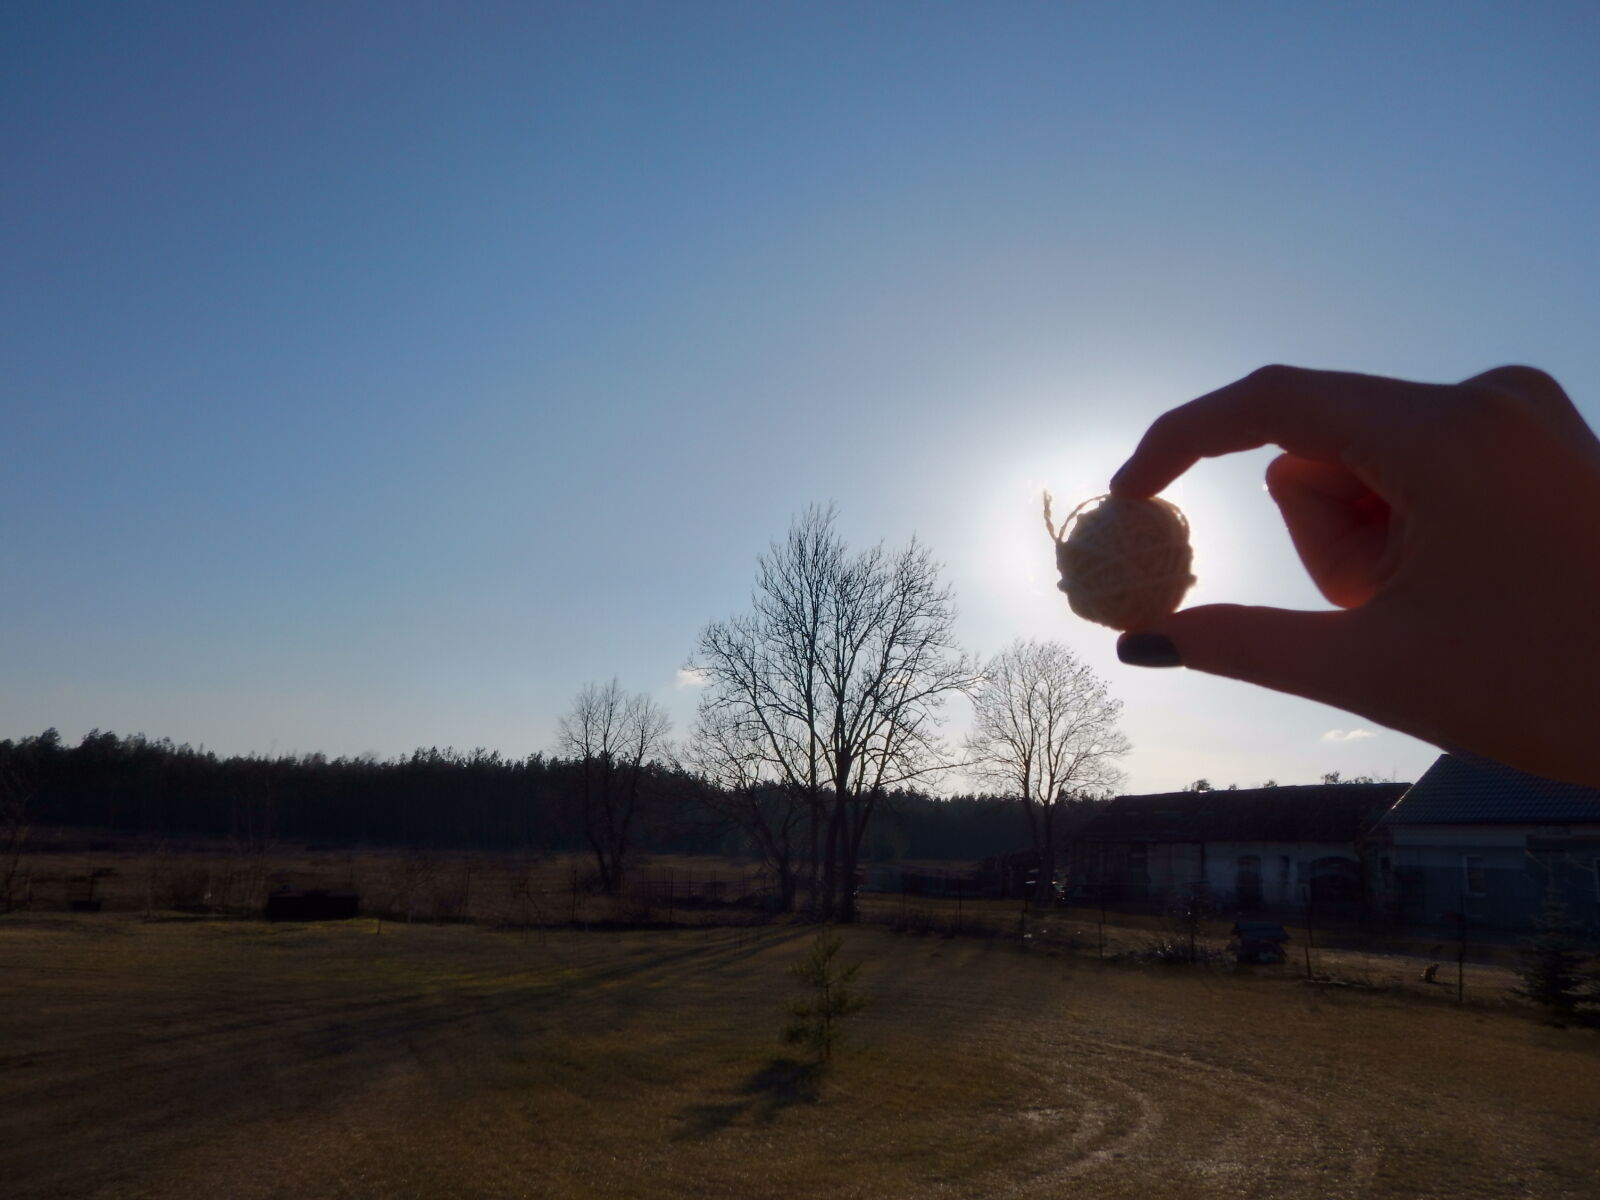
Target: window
1474,880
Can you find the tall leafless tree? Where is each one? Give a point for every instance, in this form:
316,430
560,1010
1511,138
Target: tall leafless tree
612,736
1045,731
836,679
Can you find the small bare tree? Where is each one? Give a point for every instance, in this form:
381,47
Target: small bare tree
1045,731
410,874
16,816
612,737
255,825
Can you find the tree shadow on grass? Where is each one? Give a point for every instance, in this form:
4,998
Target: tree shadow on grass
780,1084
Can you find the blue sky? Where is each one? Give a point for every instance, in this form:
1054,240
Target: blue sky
378,374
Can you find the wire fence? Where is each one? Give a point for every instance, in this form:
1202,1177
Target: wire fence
1329,949
1332,942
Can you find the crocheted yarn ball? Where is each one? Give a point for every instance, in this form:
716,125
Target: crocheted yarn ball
1123,563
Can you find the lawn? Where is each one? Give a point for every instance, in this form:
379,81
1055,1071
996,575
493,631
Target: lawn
205,1058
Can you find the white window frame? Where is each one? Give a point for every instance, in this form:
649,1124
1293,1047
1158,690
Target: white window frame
1466,876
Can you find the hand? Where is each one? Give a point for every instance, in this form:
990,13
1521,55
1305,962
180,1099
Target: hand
1456,528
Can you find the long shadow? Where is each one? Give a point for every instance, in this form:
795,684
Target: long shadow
761,1098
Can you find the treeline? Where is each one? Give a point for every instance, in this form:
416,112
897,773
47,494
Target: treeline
435,798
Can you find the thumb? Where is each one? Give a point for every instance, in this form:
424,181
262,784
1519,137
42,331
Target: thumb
1322,656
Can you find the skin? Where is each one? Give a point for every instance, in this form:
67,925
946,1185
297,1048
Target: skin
1456,530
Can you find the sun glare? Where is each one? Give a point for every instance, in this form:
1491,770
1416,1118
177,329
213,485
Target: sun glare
1221,500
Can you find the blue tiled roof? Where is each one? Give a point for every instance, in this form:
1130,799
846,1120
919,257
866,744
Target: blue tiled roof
1462,790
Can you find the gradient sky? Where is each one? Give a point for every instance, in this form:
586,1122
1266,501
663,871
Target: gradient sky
375,375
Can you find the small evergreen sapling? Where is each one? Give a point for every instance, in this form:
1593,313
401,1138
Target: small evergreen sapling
814,1022
1553,971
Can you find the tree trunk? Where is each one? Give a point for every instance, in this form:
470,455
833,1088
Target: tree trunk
1044,891
601,866
847,880
830,864
814,861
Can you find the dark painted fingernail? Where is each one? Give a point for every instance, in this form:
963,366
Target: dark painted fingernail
1148,650
1118,476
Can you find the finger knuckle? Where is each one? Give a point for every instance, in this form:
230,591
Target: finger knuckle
1165,427
1273,376
1484,404
1529,383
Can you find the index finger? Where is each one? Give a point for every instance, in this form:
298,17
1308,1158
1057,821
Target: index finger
1320,415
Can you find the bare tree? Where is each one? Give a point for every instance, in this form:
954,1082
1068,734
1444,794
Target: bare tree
255,825
16,816
1045,731
728,754
611,736
835,681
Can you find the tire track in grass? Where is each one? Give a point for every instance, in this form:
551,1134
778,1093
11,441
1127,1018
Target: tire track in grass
1149,1120
1135,1119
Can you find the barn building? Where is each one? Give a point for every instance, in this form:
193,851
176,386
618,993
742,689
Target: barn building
1246,850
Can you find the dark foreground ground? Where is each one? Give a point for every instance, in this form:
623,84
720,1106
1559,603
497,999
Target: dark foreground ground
204,1058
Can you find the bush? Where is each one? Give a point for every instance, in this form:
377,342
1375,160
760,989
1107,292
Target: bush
1177,950
1179,942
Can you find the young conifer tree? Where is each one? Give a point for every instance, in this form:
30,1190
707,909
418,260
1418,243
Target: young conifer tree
814,1022
1554,971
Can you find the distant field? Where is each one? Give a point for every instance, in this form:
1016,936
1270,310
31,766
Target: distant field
198,1058
433,885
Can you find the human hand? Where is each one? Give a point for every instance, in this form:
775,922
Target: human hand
1455,527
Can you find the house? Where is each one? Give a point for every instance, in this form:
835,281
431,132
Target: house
1481,843
1245,850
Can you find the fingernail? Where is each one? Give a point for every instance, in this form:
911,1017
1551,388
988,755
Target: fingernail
1148,650
1117,478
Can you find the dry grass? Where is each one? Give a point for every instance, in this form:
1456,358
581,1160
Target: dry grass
1345,955
399,885
201,1059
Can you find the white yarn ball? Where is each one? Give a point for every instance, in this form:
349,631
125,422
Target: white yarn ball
1123,563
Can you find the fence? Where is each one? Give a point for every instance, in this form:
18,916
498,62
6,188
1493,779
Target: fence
1454,957
1455,961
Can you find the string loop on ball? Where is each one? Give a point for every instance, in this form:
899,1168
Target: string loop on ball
1123,563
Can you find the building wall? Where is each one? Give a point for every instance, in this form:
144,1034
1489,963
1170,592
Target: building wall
1495,876
1238,876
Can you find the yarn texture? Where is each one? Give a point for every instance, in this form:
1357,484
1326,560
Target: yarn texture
1123,563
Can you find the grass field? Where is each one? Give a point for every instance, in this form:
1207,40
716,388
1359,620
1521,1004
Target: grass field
199,1058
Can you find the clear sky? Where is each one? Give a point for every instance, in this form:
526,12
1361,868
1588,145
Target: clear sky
375,375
